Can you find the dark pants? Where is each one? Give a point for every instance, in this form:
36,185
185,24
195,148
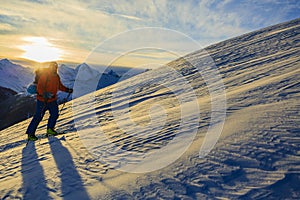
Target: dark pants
41,108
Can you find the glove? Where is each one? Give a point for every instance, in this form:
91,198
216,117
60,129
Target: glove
32,89
47,95
69,90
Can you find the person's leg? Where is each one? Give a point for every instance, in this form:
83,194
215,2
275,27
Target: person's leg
53,110
38,116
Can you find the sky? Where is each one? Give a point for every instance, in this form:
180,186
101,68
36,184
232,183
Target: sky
71,30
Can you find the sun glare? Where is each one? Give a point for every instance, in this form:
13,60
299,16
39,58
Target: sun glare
40,49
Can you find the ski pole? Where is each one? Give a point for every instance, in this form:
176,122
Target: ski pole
65,101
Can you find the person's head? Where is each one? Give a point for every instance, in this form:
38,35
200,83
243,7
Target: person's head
53,67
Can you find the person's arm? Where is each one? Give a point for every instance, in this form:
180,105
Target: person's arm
63,88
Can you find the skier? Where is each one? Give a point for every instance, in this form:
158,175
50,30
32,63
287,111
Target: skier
47,84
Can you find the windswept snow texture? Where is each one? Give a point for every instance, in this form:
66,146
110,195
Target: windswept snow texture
256,157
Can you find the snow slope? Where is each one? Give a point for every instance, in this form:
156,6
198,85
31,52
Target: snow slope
256,157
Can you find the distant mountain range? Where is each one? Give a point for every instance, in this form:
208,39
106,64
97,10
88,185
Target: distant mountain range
16,104
69,75
17,77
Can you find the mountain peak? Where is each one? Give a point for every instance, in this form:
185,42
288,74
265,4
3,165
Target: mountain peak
5,61
113,73
86,72
82,65
63,66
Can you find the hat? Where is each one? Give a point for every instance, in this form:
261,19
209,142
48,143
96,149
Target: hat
53,64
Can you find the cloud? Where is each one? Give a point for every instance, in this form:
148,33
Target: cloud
198,19
6,28
192,16
79,26
257,14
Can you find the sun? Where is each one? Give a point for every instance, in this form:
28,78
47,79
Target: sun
39,49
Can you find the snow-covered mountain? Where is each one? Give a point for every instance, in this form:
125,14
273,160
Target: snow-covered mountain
67,75
17,77
14,77
86,77
256,157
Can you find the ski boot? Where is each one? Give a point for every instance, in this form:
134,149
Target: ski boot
32,137
51,131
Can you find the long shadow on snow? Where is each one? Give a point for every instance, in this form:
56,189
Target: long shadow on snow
12,145
34,182
71,182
